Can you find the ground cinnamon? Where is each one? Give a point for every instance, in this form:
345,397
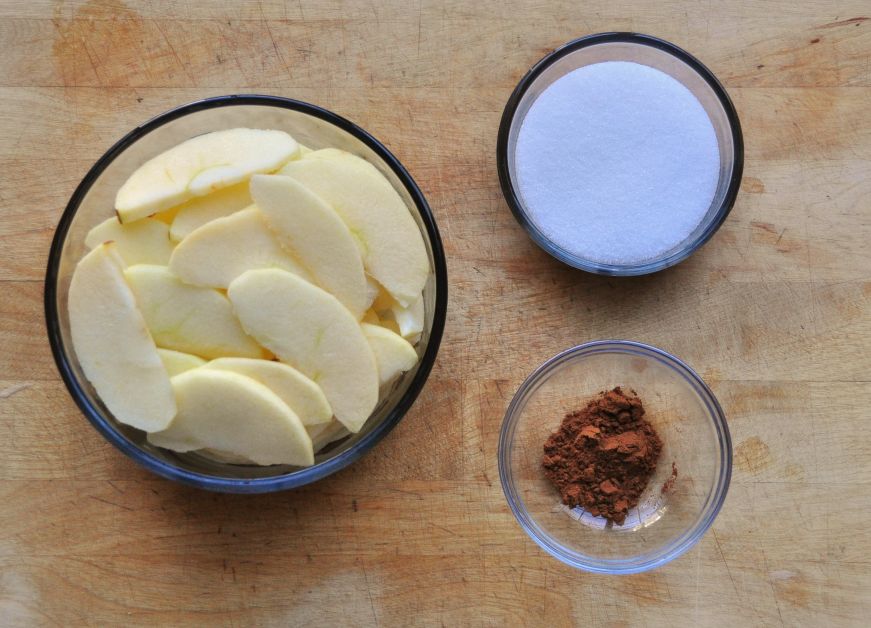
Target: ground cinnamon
602,456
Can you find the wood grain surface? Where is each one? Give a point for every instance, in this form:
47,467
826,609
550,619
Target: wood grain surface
773,312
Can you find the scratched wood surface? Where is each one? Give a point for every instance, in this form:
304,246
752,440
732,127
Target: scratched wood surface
774,312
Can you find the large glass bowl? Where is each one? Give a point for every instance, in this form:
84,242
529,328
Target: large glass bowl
93,201
660,55
674,511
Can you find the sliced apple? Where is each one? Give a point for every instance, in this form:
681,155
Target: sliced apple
143,242
232,413
188,318
166,216
198,211
382,301
389,323
323,435
406,321
317,236
389,240
409,319
304,150
310,329
201,165
177,362
371,317
221,250
112,343
372,291
393,353
316,430
301,394
225,456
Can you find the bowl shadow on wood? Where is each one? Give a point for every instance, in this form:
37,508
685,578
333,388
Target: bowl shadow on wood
245,538
613,293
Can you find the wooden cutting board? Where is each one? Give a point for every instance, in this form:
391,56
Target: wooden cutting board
773,312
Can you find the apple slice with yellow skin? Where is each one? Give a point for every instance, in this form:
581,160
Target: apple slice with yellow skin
188,318
177,362
393,353
112,343
317,236
311,330
301,394
219,251
389,240
201,165
143,242
232,413
198,211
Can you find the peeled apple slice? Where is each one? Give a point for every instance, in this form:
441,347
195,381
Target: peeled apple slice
221,250
393,353
316,430
382,301
310,329
201,165
317,236
372,291
225,456
410,319
166,216
188,318
177,362
112,343
370,317
198,211
388,238
330,432
407,321
143,242
232,413
301,394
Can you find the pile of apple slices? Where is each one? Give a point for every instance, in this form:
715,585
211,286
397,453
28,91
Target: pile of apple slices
251,299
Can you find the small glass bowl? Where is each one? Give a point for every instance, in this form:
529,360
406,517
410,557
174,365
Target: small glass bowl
660,55
674,512
93,201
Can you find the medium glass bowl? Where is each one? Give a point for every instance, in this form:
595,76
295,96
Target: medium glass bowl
673,513
660,55
93,201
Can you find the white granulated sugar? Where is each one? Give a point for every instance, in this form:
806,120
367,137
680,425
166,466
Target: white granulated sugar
617,162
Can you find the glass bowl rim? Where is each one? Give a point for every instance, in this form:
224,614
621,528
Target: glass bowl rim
511,196
631,565
245,485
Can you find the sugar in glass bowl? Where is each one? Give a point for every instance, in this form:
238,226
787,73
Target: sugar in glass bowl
649,143
672,514
93,201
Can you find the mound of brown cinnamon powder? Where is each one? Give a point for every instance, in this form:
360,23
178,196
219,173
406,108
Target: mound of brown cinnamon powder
602,457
